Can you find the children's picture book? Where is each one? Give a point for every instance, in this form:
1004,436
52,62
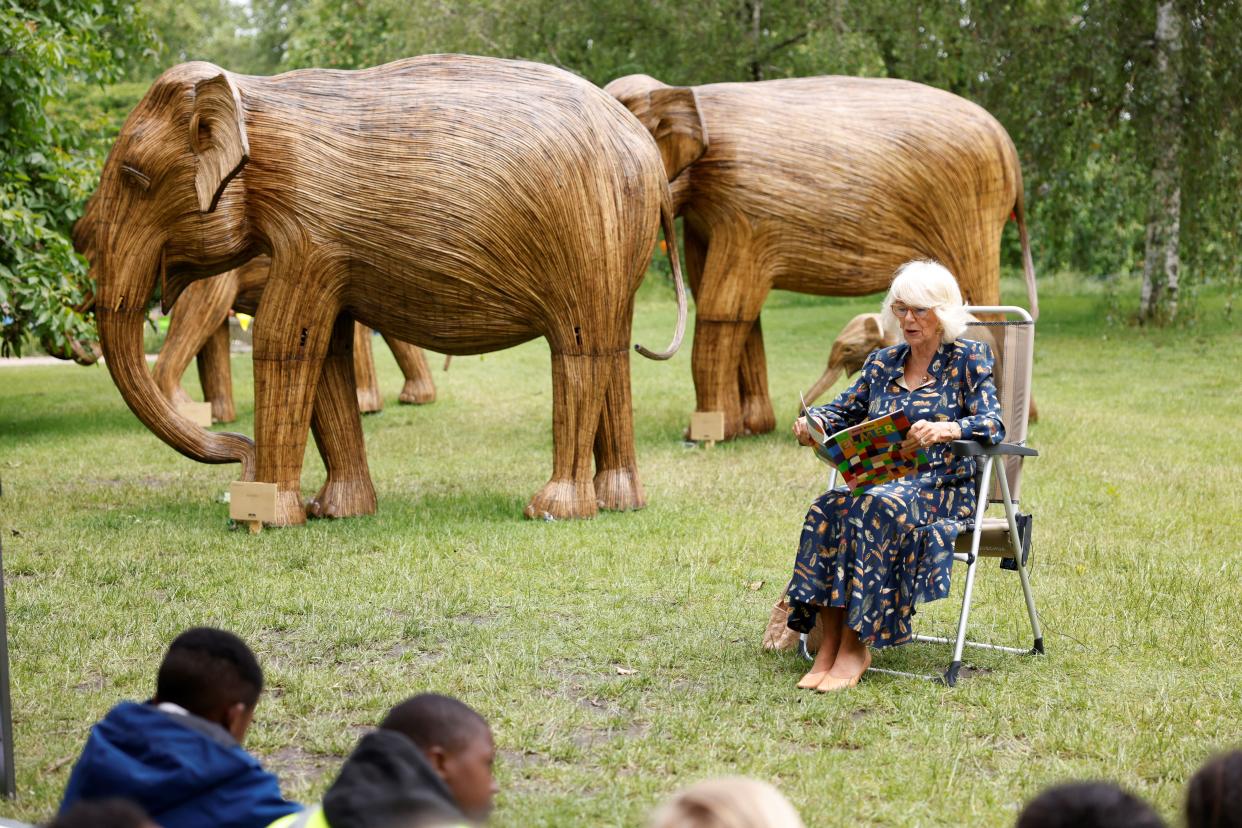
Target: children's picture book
869,453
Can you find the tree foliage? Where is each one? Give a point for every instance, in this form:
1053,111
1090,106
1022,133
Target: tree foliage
44,173
1075,82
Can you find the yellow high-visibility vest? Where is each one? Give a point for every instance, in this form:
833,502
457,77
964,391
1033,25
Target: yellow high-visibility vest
311,817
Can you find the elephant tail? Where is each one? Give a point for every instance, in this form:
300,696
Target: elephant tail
670,245
1028,265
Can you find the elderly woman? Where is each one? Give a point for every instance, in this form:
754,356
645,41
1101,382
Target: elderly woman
864,561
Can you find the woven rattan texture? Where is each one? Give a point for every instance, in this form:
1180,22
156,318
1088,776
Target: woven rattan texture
820,185
462,204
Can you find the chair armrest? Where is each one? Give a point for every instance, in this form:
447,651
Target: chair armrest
971,448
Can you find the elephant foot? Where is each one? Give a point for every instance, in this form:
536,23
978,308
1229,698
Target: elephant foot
563,500
179,397
619,490
222,411
342,499
417,392
369,401
757,415
289,511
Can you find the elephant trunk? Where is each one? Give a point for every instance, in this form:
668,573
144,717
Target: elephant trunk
830,375
670,244
120,335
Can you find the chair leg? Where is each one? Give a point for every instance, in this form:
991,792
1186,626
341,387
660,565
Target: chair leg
981,506
1038,648
950,675
1011,515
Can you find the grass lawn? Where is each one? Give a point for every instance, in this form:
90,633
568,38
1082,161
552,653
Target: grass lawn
113,543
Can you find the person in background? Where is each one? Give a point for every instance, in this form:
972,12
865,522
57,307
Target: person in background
728,802
1214,795
429,765
179,755
1088,805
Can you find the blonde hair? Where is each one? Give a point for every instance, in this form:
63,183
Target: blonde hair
727,802
926,284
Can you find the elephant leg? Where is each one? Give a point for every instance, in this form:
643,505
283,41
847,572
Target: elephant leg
695,249
579,382
419,387
757,414
215,374
729,297
617,487
370,399
714,362
291,334
337,427
192,322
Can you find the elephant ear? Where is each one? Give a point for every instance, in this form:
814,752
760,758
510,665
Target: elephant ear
673,117
872,329
218,138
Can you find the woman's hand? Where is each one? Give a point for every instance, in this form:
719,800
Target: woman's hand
803,433
927,433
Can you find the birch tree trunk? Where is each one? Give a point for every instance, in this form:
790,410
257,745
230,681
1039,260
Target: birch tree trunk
1162,261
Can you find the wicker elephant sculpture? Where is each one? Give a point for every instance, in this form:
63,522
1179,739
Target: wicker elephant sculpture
820,185
198,327
462,204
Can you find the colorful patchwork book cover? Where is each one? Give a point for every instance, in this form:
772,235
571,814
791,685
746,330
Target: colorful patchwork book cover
869,453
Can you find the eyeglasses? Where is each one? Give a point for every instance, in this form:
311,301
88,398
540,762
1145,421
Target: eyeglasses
900,309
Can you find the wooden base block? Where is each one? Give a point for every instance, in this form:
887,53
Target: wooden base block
707,426
252,503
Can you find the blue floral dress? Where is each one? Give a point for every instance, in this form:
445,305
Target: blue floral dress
881,552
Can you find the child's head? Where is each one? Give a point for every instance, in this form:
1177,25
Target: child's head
728,802
103,813
214,675
1214,795
1088,805
457,743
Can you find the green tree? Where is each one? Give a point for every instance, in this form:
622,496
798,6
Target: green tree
46,169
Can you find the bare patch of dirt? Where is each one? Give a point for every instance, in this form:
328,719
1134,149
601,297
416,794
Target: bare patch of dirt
299,768
413,653
967,671
92,684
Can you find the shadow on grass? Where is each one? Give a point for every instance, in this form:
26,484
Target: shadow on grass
27,417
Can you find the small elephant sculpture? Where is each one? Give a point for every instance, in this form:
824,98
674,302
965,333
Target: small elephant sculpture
462,204
860,336
198,326
820,185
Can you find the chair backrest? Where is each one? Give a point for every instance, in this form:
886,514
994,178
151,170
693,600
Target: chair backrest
1013,331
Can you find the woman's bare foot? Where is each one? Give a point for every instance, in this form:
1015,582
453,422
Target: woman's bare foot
831,618
853,659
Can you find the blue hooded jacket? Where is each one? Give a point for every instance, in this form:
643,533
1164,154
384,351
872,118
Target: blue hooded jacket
185,771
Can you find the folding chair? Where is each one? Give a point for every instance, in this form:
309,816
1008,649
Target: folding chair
1008,538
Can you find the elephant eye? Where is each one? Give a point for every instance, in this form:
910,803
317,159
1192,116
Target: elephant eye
135,177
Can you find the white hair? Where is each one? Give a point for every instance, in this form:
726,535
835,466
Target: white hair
727,802
926,284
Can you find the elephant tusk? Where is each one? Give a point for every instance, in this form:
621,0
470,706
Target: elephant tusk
670,236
